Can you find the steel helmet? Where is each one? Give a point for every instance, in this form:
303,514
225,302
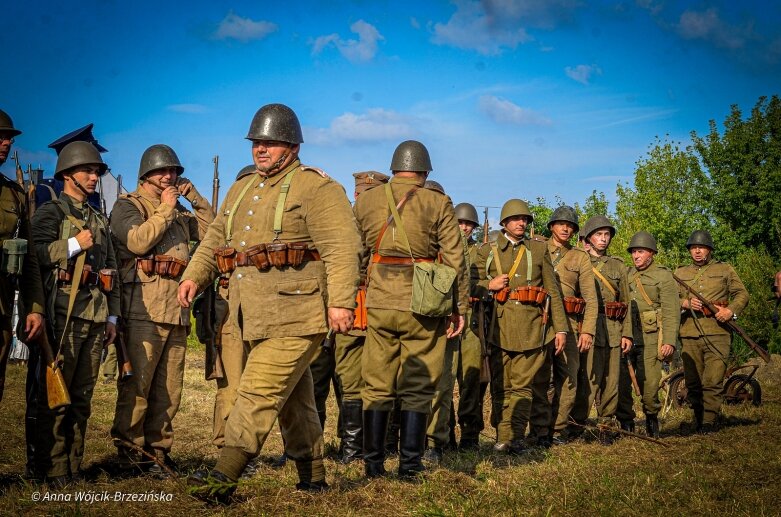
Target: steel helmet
159,156
411,155
467,212
276,122
642,239
700,238
565,214
78,153
515,207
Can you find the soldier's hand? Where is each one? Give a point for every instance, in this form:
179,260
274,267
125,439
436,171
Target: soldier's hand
626,345
170,196
33,326
585,341
724,314
455,325
695,304
85,239
667,351
187,291
559,342
499,282
340,319
111,334
184,186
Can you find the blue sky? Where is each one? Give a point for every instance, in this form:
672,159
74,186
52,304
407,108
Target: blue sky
514,98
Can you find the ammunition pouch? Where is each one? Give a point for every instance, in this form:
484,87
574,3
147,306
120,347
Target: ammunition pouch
226,259
165,266
616,310
223,282
88,277
529,294
574,306
361,321
106,279
13,252
263,256
502,295
146,264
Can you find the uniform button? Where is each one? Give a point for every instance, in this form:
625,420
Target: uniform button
92,257
250,213
516,274
227,212
298,291
243,243
246,228
239,276
262,185
255,198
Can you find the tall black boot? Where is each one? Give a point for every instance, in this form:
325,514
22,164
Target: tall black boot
351,416
392,437
375,425
412,443
652,426
698,415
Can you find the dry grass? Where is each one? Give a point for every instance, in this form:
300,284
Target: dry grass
734,472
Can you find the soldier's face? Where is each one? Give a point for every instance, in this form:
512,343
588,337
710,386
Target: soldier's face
642,257
162,178
600,239
700,254
562,231
87,177
6,141
467,227
515,225
270,155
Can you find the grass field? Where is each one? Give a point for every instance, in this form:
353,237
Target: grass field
734,472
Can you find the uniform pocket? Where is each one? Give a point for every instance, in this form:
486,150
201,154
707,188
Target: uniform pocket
298,287
648,320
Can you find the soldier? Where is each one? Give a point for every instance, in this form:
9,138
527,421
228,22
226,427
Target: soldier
470,370
153,231
614,324
26,276
575,277
348,352
404,351
705,338
517,270
655,319
286,239
75,252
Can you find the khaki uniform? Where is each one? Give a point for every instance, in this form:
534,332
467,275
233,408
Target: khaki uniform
62,431
404,352
705,341
281,313
576,278
651,324
156,327
518,353
606,362
13,209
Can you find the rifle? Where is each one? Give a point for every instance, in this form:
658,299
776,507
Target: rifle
209,332
216,183
632,375
545,317
125,366
761,352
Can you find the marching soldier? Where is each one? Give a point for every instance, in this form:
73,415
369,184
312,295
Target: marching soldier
286,239
153,231
404,351
575,277
77,260
613,337
705,338
348,351
656,317
19,261
517,270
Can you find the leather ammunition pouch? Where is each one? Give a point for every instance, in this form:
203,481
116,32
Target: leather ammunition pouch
88,277
502,295
361,321
616,310
529,294
574,306
223,282
106,279
169,267
263,256
146,264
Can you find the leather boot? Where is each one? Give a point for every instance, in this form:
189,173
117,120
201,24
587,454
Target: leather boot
628,426
412,443
698,416
652,426
392,437
375,425
351,415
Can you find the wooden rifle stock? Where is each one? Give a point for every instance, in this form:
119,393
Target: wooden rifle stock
761,352
633,375
125,366
56,389
209,332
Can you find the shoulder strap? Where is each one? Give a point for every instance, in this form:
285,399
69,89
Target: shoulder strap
139,204
699,274
517,261
493,255
397,220
281,203
400,204
229,224
605,282
640,288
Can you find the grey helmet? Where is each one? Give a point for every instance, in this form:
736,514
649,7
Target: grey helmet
566,214
642,239
276,122
467,212
700,238
411,155
159,156
595,223
78,153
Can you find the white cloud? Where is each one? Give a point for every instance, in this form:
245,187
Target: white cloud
194,109
243,29
582,73
376,125
505,112
708,26
356,51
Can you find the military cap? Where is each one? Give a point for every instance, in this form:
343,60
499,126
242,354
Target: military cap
515,207
159,156
368,180
7,125
83,134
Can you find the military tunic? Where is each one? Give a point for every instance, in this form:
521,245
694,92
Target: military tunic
518,352
13,209
705,341
653,324
281,312
155,325
62,431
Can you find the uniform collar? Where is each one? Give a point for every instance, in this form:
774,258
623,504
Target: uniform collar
78,205
503,241
279,176
553,246
648,269
148,196
408,181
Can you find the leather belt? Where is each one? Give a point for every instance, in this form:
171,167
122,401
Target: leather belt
88,277
398,261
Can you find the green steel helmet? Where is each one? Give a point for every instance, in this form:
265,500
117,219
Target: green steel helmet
7,125
700,238
595,223
642,239
565,214
159,156
276,122
515,207
434,185
78,153
249,169
467,212
411,155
